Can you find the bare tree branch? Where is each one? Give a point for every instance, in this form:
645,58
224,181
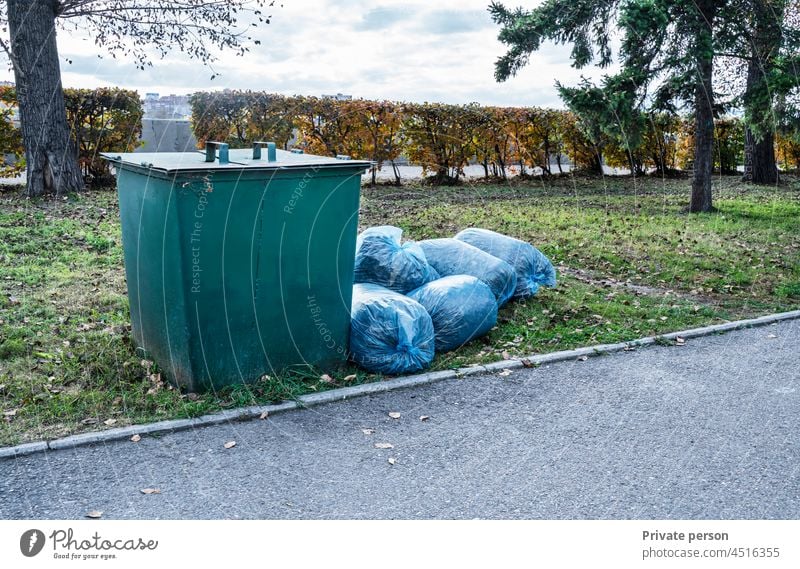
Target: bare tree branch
5,44
140,29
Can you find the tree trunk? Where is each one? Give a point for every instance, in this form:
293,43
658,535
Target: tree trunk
703,111
596,166
661,157
546,163
49,151
631,162
396,172
375,145
760,166
703,151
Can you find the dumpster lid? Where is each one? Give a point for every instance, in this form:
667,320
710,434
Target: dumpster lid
239,159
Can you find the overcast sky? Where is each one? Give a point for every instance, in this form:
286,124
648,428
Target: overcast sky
415,50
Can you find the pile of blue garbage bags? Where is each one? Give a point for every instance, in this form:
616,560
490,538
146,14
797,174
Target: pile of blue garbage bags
413,299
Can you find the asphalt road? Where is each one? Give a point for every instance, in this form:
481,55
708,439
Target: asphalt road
708,430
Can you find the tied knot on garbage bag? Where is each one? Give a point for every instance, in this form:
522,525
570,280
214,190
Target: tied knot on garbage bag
383,260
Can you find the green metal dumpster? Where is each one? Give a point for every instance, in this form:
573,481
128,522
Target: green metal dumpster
239,263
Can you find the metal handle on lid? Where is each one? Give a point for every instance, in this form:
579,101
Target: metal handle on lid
271,151
211,151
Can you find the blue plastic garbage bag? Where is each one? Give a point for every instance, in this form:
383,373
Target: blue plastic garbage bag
381,259
461,307
389,333
533,268
453,257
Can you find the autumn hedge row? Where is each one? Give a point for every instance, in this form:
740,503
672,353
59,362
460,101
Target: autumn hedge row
441,138
445,138
101,120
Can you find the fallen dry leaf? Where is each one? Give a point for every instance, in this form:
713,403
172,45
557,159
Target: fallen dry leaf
384,445
230,444
392,460
10,413
582,358
150,491
351,377
325,378
680,341
94,514
506,356
424,418
90,421
368,431
505,372
136,438
109,422
264,415
394,415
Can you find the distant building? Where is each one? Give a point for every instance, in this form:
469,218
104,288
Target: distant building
6,83
339,97
167,107
166,135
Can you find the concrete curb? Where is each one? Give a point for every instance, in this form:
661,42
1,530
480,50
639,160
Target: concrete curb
254,412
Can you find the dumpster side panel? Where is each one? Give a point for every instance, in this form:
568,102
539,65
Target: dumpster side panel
272,269
153,268
222,219
308,252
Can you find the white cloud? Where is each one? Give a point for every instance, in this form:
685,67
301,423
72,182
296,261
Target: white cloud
412,50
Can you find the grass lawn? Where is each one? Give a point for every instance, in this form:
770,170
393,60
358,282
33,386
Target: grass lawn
630,264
